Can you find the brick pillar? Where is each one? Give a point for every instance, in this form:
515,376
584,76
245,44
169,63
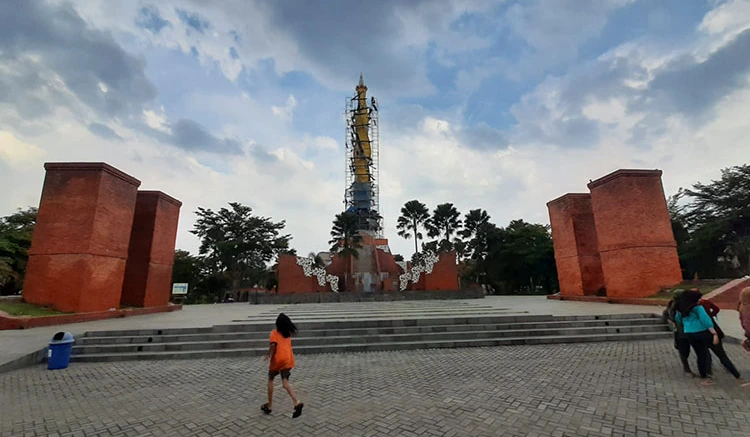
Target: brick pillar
579,268
80,242
148,275
636,244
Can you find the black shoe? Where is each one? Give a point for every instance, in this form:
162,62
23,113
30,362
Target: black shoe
297,410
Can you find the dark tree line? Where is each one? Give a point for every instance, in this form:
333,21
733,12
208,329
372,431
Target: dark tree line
516,259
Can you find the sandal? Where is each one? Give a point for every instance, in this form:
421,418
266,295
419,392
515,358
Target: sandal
264,408
297,410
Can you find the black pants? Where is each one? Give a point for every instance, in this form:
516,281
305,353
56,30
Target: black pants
700,342
718,350
682,344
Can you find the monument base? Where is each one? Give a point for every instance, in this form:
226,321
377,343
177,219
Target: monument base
328,297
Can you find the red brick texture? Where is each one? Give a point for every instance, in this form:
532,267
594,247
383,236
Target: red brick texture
727,297
291,277
80,242
636,245
148,272
576,248
444,274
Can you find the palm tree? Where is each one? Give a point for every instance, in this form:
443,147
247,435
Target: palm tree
345,238
474,224
414,214
445,221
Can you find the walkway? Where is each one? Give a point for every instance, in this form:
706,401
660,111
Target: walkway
603,389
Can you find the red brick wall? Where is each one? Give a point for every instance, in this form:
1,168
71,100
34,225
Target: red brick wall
444,274
576,247
148,274
80,242
636,245
292,277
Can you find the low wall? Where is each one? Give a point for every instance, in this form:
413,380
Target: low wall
25,322
605,299
293,298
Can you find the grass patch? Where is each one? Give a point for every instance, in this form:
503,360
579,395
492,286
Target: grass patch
704,287
15,308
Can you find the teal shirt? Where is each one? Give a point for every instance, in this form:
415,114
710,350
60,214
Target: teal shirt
697,321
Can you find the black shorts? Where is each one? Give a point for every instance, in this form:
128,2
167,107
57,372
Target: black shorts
284,374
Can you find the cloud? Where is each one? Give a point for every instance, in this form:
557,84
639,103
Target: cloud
67,56
16,152
193,20
189,135
287,111
104,131
150,19
692,86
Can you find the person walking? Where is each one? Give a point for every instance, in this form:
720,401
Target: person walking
681,342
718,348
698,328
743,307
281,359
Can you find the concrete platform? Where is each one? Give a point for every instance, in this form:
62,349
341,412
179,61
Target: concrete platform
24,347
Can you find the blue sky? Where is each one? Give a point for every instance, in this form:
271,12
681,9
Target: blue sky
501,105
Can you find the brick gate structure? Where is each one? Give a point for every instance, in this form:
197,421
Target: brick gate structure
81,244
616,239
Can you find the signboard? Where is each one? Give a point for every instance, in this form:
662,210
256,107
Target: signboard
179,289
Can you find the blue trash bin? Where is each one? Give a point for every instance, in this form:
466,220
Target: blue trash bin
60,347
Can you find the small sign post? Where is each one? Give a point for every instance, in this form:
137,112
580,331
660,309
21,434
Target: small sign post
179,291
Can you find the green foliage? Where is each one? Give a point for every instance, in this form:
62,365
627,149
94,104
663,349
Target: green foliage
345,237
237,246
414,215
520,259
15,239
16,308
712,227
444,222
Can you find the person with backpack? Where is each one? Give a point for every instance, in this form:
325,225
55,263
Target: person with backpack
699,330
681,342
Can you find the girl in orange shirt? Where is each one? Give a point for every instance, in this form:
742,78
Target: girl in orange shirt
282,361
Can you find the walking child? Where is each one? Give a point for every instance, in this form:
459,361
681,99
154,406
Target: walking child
281,360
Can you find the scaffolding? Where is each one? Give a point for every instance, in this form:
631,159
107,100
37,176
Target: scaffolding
362,135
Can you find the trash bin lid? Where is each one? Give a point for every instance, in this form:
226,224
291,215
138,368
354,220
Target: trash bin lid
62,338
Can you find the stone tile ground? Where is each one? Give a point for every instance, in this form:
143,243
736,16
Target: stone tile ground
613,389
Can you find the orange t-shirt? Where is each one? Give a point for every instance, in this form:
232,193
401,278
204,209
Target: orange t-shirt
283,358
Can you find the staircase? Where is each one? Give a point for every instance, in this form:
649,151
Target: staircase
373,333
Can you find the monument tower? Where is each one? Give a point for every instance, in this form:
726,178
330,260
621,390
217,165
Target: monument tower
361,195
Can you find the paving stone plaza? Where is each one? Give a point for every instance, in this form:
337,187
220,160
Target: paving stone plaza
628,388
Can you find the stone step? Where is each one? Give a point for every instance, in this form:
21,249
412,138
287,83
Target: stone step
371,347
366,322
263,335
366,339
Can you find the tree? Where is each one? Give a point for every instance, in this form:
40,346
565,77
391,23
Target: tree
414,215
725,205
445,221
345,238
521,258
15,240
474,232
712,227
238,244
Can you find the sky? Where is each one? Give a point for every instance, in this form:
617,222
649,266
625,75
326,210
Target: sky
500,105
